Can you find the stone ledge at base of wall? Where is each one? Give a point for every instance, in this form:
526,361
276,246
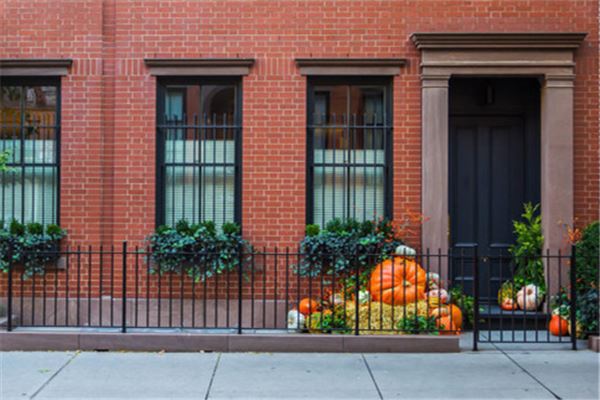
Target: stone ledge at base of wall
186,342
594,343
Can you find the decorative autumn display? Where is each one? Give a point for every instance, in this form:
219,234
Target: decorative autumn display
397,281
558,326
529,297
308,306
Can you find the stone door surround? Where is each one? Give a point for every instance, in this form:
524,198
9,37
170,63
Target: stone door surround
547,56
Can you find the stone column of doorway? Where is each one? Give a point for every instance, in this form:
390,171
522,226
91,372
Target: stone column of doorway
557,171
434,199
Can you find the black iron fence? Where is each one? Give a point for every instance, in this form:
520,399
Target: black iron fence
123,288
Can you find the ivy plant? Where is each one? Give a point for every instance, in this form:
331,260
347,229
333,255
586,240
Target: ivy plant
4,156
32,246
343,246
527,250
201,250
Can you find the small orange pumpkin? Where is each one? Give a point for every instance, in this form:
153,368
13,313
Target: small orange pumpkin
450,311
508,304
398,281
308,306
446,326
558,326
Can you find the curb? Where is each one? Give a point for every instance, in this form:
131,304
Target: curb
188,342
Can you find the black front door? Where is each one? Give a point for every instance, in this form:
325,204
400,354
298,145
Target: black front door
494,169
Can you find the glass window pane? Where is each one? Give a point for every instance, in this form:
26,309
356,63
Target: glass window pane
349,157
29,191
200,157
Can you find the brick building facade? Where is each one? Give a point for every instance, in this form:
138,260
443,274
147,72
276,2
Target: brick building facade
108,95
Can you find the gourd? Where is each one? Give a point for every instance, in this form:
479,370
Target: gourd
397,281
433,280
558,326
439,294
529,297
308,306
506,291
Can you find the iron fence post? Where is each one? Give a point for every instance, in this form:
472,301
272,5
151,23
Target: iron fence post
356,301
573,307
10,293
476,297
124,301
240,279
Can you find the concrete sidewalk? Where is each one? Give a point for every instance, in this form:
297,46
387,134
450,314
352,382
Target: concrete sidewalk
495,373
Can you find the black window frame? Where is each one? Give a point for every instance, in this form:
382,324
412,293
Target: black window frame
26,80
161,89
318,81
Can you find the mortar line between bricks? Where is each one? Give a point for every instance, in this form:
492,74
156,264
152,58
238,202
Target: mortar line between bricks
54,375
528,373
212,377
372,377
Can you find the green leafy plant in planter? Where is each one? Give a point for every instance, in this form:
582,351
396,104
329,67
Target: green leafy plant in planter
342,246
527,250
33,246
4,157
201,250
418,325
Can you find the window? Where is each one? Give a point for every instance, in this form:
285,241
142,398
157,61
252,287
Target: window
349,150
29,131
199,128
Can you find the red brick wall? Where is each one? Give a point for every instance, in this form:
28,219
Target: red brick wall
108,110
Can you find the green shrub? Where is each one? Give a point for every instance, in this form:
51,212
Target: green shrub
33,246
587,253
343,246
201,250
527,250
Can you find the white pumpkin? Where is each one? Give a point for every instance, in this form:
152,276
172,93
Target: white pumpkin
295,320
440,294
405,251
433,280
336,299
529,297
363,297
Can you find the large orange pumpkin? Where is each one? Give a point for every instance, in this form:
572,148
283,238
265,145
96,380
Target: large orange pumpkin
558,326
397,282
308,306
447,311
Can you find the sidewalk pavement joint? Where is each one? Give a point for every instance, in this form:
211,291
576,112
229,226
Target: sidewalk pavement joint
54,375
372,377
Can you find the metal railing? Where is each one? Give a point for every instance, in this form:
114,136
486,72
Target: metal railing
122,288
